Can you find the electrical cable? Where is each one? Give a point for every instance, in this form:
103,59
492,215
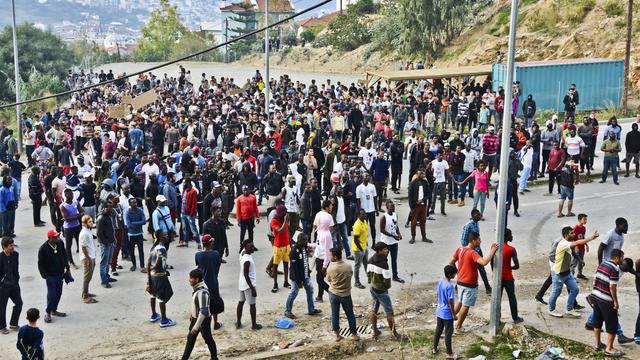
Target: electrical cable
171,62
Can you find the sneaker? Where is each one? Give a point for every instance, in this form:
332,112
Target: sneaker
315,312
459,331
637,340
286,285
578,307
155,317
555,313
275,289
113,280
143,270
412,241
47,318
580,276
350,257
167,323
217,326
397,279
359,286
427,240
407,225
119,267
518,320
624,340
133,268
58,314
114,273
541,300
289,315
106,286
573,314
4,331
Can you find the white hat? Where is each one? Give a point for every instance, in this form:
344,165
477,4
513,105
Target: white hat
161,198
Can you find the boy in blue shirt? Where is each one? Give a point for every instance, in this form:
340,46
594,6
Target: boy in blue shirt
30,338
445,312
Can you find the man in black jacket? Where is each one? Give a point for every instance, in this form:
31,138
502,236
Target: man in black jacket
9,287
632,146
300,276
35,194
106,233
529,110
419,195
397,151
53,265
217,228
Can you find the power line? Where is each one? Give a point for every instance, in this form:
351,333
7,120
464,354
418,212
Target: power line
186,57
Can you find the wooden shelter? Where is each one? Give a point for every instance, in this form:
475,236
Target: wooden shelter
451,77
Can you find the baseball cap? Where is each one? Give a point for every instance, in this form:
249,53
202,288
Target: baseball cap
161,198
87,175
206,239
196,149
52,233
491,128
245,187
215,184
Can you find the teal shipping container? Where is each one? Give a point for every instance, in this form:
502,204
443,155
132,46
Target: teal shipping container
599,82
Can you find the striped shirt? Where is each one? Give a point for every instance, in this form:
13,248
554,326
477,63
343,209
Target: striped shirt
200,304
607,274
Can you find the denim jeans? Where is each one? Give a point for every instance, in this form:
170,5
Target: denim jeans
480,197
342,233
459,191
347,306
106,252
308,288
610,162
54,292
189,228
524,176
393,251
557,282
536,164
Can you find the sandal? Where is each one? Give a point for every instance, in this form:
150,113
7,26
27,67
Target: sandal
435,351
615,354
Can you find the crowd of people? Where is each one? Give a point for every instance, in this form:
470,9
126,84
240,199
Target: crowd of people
321,160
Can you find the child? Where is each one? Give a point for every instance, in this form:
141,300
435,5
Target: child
30,338
578,260
445,312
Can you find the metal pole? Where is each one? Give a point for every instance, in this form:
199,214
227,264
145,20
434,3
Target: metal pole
267,91
504,166
16,69
627,57
226,39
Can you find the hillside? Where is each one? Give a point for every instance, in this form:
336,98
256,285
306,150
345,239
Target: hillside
547,29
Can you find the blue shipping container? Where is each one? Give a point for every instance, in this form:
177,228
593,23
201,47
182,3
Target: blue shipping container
599,82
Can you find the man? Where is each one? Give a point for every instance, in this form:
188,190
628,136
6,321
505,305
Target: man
88,195
200,316
340,219
281,249
526,158
247,285
161,218
440,173
300,276
632,146
509,256
359,245
54,268
611,147
380,279
106,233
135,219
216,228
339,278
604,297
419,195
470,160
8,205
88,258
35,194
548,138
490,144
468,260
189,215
380,173
158,285
568,179
396,152
473,226
561,272
9,286
390,235
272,185
71,212
556,161
248,214
291,196
366,194
614,239
209,261
529,110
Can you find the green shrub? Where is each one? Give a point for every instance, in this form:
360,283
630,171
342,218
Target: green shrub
308,36
613,8
577,10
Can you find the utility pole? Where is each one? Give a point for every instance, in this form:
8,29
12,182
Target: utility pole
267,91
16,70
627,58
496,293
226,40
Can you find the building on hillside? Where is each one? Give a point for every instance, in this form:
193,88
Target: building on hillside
248,15
316,23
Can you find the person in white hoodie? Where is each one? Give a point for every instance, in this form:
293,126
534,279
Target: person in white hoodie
526,157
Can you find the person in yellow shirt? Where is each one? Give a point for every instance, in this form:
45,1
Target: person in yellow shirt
359,245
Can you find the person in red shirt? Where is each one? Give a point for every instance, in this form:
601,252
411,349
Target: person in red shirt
509,255
578,261
468,260
189,215
247,213
557,158
281,246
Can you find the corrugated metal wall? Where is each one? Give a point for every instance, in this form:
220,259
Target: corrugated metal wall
598,83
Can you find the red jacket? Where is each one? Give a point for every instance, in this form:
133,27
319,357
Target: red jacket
247,207
190,202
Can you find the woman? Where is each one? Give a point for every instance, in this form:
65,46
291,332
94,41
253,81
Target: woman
435,147
71,212
481,187
323,224
88,257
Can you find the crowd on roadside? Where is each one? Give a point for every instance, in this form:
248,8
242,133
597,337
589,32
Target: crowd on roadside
321,160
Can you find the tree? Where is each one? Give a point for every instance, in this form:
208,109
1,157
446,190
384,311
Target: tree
39,50
35,84
160,34
248,22
348,32
308,36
